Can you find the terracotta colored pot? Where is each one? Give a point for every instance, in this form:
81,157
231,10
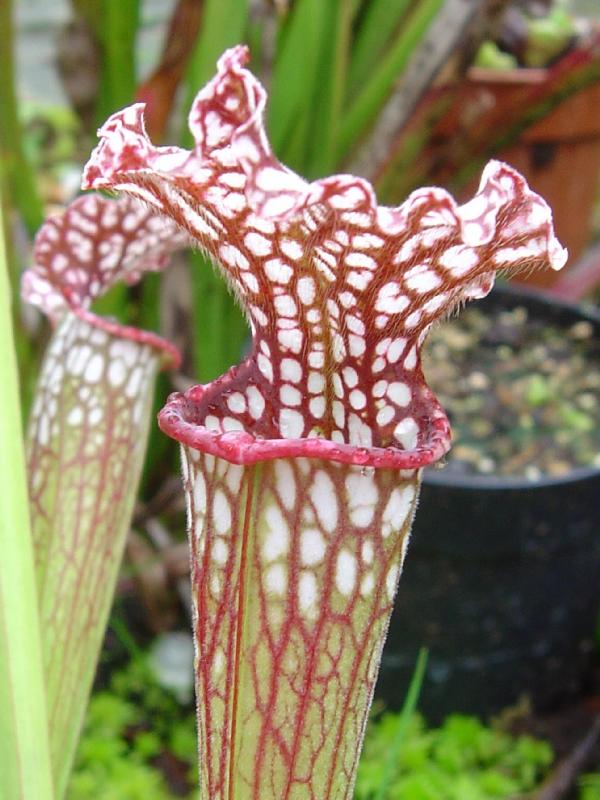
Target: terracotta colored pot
559,155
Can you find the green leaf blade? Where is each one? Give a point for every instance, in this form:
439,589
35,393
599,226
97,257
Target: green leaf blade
24,755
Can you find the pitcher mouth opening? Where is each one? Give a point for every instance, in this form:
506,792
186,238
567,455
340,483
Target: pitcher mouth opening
185,418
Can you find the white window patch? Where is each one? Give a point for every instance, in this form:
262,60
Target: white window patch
379,389
410,362
116,373
378,365
289,395
291,370
366,241
277,538
356,345
265,366
367,584
312,547
399,393
307,594
236,402
285,306
355,324
361,261
367,552
276,579
358,399
94,369
285,483
339,413
199,492
324,499
359,433
361,494
291,424
350,376
406,432
316,382
391,581
256,402
260,223
257,244
250,281
345,572
291,248
291,340
385,415
220,551
390,299
316,406
307,291
235,180
423,282
413,319
347,299
278,271
221,512
360,280
397,509
395,350
459,259
316,359
232,424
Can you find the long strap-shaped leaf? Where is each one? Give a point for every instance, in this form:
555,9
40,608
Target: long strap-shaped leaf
24,755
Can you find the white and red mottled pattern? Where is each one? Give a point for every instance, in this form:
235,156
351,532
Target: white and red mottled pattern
340,293
86,443
302,464
308,553
86,436
97,242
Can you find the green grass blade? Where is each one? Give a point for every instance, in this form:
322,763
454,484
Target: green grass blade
330,89
408,709
24,754
13,163
118,26
295,75
367,105
378,21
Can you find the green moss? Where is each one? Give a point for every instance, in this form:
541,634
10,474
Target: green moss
128,728
461,760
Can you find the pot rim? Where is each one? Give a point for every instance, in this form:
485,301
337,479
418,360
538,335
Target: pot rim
541,300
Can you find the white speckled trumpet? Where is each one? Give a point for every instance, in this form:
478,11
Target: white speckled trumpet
301,465
87,438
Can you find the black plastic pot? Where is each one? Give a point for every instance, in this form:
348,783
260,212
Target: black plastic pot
501,581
